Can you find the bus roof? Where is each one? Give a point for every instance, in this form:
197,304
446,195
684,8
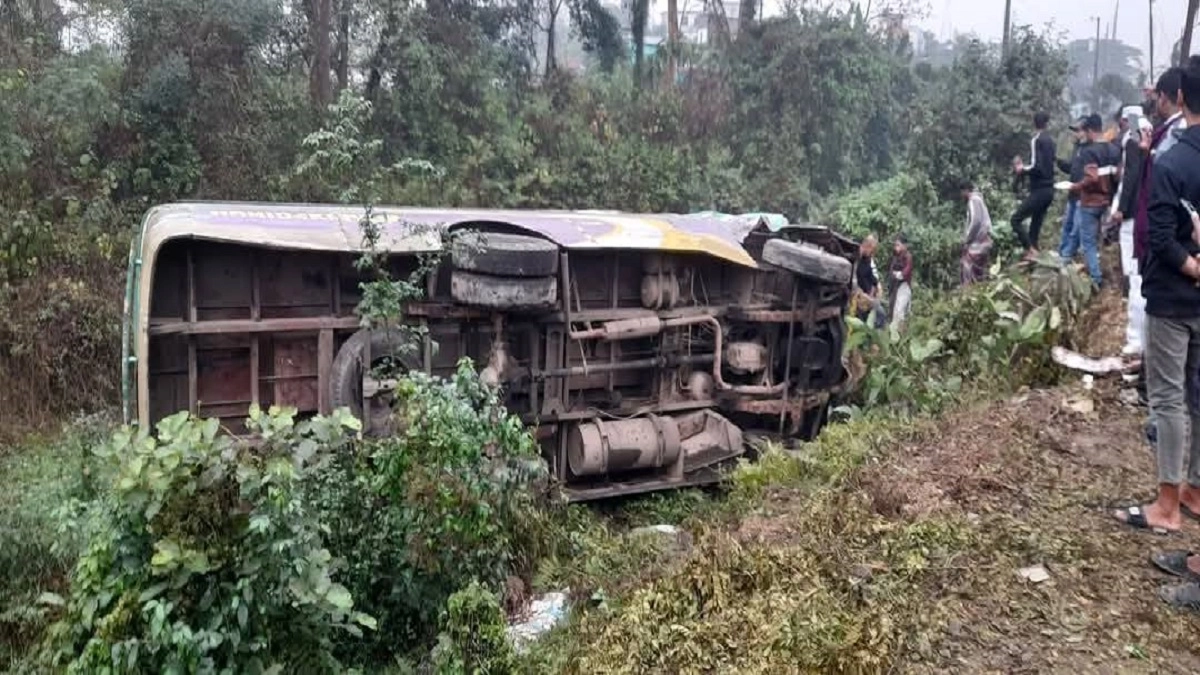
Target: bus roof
337,228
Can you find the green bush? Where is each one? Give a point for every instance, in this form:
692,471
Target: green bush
452,498
474,641
36,552
204,556
997,332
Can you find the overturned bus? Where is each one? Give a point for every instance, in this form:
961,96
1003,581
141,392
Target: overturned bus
639,347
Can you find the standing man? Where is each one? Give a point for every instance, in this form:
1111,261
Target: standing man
1168,103
866,282
1040,171
1069,244
901,278
1122,215
1116,134
1094,191
977,238
1171,284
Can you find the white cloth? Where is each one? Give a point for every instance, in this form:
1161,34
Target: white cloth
903,300
978,235
1135,314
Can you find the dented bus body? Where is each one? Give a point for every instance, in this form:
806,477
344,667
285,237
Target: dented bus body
639,347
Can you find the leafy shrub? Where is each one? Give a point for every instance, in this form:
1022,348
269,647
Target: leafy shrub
903,203
451,498
998,332
38,555
203,555
474,641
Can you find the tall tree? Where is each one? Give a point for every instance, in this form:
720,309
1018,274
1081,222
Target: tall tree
672,40
639,14
553,7
320,82
29,28
1185,45
343,44
599,31
747,15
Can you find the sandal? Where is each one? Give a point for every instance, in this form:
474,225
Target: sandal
1181,596
1136,518
1175,564
1187,511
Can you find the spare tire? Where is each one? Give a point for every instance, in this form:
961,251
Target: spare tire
346,376
807,261
506,255
503,292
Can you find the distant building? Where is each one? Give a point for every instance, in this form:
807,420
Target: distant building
698,25
894,26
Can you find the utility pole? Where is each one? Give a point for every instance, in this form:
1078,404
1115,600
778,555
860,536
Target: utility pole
1185,46
1007,28
1151,82
1096,69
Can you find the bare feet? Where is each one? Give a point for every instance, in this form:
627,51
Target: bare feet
1189,497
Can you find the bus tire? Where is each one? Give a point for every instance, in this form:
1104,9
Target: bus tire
504,293
505,255
807,260
348,370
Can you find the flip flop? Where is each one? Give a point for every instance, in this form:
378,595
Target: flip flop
1187,511
1182,596
1175,564
1136,518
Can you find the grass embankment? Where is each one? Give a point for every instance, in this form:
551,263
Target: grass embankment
895,544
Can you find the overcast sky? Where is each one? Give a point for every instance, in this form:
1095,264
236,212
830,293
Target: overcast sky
1073,17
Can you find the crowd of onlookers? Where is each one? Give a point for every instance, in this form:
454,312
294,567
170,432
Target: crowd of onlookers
1135,182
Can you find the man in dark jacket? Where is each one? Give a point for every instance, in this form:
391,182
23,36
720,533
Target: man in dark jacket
1041,186
866,301
1171,284
1167,101
1094,190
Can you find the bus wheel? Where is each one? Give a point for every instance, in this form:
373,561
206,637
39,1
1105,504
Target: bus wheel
393,352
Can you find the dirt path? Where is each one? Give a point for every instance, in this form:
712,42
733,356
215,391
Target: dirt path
1038,476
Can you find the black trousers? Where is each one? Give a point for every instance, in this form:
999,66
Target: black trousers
1034,209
